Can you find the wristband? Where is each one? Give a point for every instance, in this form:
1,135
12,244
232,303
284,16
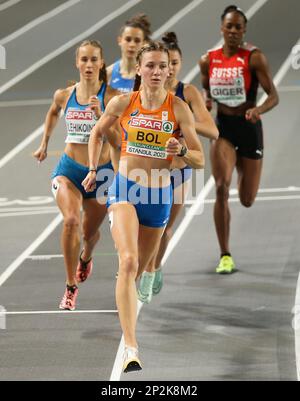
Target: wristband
183,152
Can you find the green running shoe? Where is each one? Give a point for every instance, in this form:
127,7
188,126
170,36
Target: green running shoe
158,282
145,288
226,265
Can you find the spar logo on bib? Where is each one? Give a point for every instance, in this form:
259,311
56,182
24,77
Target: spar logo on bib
167,127
74,114
151,124
239,82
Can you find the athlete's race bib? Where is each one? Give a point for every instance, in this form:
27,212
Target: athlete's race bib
148,137
79,125
227,86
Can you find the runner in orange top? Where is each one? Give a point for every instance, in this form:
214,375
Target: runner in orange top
152,279
140,198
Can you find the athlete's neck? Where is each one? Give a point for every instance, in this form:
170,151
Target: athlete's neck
127,67
230,51
152,99
86,89
171,85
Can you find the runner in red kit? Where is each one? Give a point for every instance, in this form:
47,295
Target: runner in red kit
230,76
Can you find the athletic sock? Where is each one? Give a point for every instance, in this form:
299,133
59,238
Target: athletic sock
225,254
72,288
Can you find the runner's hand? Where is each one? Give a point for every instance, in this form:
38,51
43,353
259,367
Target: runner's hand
173,147
41,153
89,183
252,115
94,104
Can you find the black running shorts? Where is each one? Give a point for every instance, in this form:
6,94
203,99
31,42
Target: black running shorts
245,136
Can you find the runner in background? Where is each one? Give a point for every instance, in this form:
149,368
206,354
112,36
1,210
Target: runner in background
133,35
230,76
83,104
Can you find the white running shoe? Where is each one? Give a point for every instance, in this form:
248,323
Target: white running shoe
131,360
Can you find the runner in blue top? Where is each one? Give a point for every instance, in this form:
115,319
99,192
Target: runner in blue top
133,36
152,280
83,104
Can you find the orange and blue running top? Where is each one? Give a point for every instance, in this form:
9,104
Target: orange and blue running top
146,132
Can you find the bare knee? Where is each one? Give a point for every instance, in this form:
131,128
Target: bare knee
247,201
222,191
129,264
71,222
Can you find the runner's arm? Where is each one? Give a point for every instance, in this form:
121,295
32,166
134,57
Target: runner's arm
194,156
50,122
204,122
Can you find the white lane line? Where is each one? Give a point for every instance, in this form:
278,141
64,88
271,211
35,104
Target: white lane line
282,71
273,198
50,56
249,14
38,21
289,88
117,368
30,201
35,244
38,212
58,312
176,18
22,145
257,199
296,326
24,103
29,209
188,218
234,191
39,131
256,7
8,4
44,257
49,257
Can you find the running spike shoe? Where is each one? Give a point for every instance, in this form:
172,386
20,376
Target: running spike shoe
68,301
158,282
226,265
145,287
131,360
84,270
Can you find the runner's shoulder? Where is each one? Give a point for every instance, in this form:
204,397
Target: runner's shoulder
61,95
